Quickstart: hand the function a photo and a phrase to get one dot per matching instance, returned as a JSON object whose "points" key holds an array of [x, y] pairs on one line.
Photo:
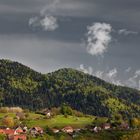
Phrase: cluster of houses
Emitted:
{"points": [[20, 133], [14, 134], [104, 126], [108, 126], [67, 129]]}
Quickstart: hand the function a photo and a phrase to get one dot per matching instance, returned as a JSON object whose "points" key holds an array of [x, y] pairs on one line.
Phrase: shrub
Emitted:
{"points": [[8, 121], [66, 110], [11, 109]]}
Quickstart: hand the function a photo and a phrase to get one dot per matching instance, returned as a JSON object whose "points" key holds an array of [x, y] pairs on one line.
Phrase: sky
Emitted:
{"points": [[99, 37]]}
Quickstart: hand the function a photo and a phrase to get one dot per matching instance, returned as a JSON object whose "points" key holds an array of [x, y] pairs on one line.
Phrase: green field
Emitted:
{"points": [[60, 121], [57, 121], [7, 114]]}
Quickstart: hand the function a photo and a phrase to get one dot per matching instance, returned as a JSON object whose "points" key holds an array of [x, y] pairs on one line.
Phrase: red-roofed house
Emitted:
{"points": [[19, 130], [17, 137], [9, 131], [67, 129], [36, 131], [14, 134], [2, 131]]}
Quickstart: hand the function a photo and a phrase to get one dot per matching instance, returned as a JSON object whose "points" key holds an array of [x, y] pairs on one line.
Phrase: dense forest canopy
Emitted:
{"points": [[24, 87]]}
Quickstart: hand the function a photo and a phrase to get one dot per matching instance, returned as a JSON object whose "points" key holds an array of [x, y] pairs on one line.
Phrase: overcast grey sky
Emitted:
{"points": [[100, 37]]}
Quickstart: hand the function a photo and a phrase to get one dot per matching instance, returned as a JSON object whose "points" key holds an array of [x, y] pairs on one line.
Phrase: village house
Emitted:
{"points": [[7, 131], [2, 131], [96, 129], [55, 130], [106, 126], [17, 137], [18, 130], [25, 129], [48, 113], [36, 131], [67, 129], [124, 125], [77, 130], [14, 134]]}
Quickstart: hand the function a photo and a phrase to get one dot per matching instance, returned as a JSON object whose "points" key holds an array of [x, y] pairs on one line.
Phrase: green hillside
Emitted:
{"points": [[22, 86]]}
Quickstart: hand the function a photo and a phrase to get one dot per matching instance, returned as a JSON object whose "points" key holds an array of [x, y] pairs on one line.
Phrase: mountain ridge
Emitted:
{"points": [[23, 86]]}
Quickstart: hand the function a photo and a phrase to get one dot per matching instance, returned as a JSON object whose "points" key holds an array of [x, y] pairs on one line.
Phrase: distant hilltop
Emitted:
{"points": [[24, 87]]}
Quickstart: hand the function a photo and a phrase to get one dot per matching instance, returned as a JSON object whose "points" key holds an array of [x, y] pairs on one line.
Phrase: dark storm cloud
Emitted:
{"points": [[41, 54], [21, 5], [124, 13]]}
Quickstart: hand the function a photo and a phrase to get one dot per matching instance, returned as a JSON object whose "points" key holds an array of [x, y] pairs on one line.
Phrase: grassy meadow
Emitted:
{"points": [[58, 121]]}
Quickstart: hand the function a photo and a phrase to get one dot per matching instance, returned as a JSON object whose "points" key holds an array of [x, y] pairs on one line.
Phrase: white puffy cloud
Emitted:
{"points": [[83, 69], [34, 22], [99, 74], [112, 73], [98, 38], [109, 76], [48, 23], [127, 32], [87, 71], [131, 82], [134, 81], [45, 20], [113, 77]]}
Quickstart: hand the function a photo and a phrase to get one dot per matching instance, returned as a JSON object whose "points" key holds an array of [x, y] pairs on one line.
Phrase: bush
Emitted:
{"points": [[4, 109], [78, 114], [66, 110], [55, 111], [11, 109], [49, 131], [8, 121]]}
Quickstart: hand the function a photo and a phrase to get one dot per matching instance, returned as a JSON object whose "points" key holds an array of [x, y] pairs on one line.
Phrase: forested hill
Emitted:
{"points": [[22, 86]]}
